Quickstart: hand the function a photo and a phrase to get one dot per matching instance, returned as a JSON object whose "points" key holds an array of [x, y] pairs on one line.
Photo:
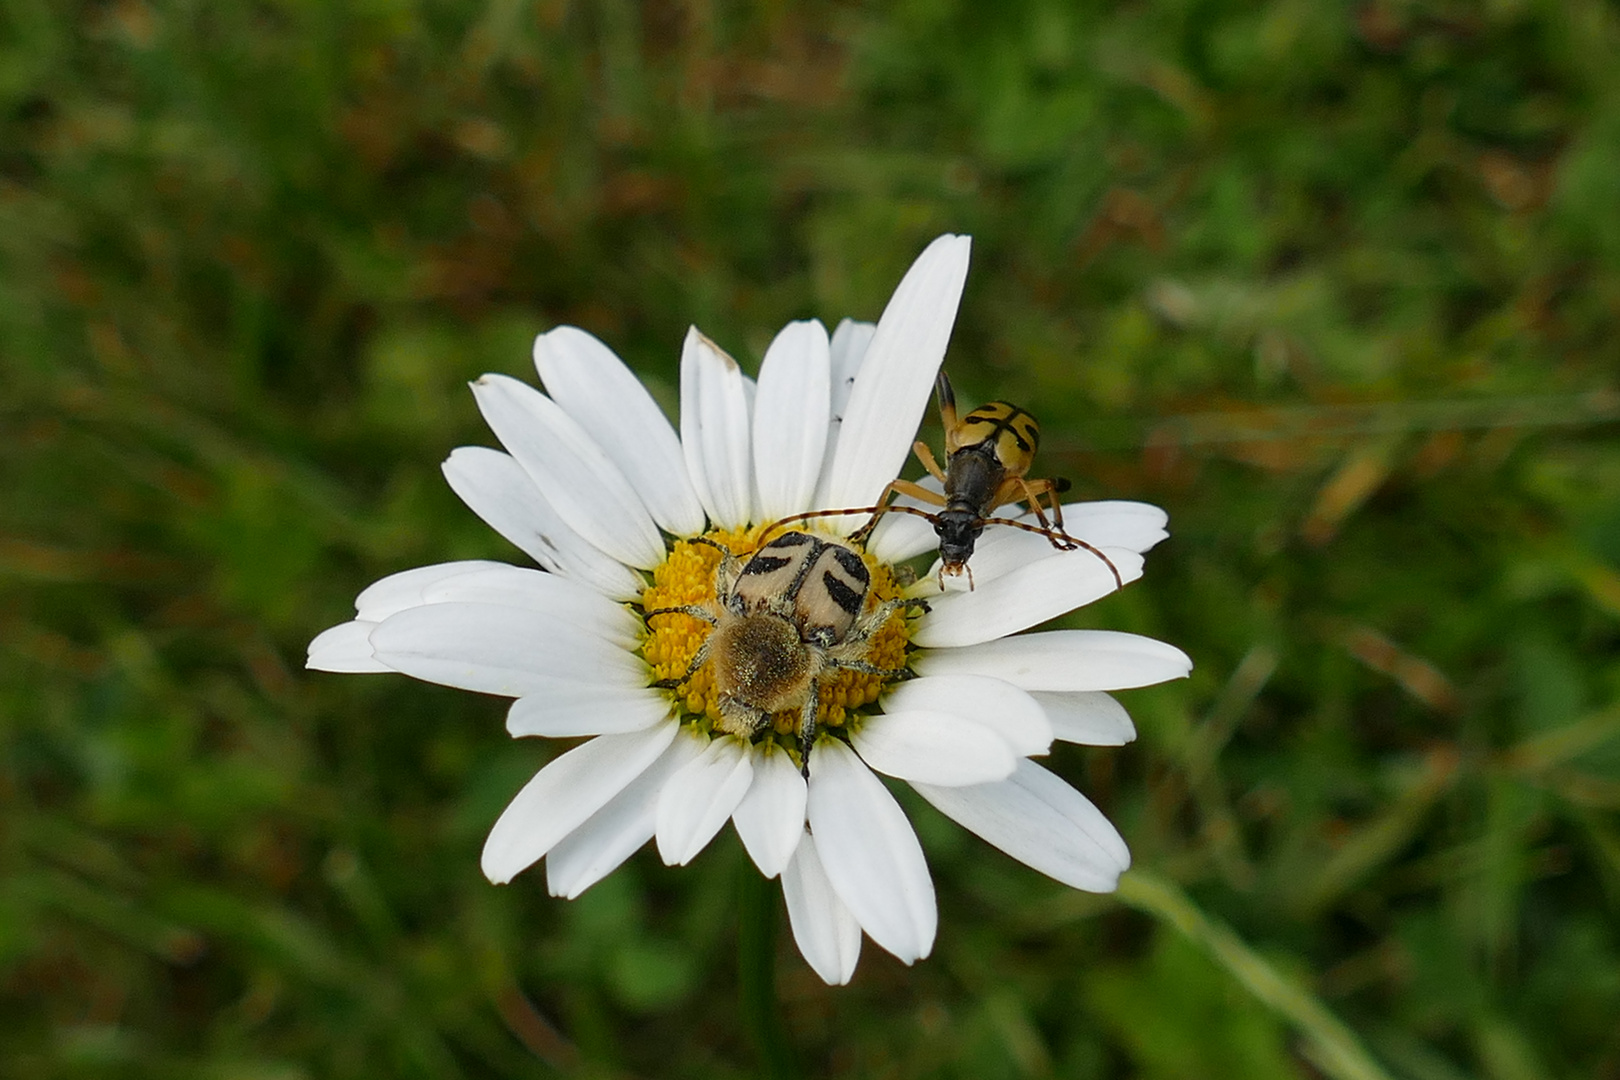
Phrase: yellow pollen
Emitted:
{"points": [[686, 579]]}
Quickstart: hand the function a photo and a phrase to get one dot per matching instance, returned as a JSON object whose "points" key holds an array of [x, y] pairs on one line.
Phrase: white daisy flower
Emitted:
{"points": [[597, 487]]}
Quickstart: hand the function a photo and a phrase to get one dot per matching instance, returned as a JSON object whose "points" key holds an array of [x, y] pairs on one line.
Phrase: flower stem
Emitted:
{"points": [[756, 976], [1329, 1043]]}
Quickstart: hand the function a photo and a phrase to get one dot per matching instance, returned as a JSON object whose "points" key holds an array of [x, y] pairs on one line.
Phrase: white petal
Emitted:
{"points": [[498, 650], [1111, 523], [897, 375], [849, 342], [899, 537], [716, 436], [770, 818], [587, 379], [345, 647], [561, 708], [1042, 822], [562, 598], [1004, 708], [697, 800], [1063, 660], [496, 488], [1093, 719], [564, 794], [612, 834], [396, 592], [933, 747], [790, 419], [870, 853], [570, 469], [824, 929], [1024, 597]]}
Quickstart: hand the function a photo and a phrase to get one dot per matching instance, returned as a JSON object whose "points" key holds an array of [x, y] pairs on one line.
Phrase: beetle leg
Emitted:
{"points": [[1034, 489], [926, 456], [807, 727], [737, 718], [864, 668], [698, 659], [1016, 489], [729, 570], [869, 624], [900, 487], [916, 491], [1021, 489], [685, 609]]}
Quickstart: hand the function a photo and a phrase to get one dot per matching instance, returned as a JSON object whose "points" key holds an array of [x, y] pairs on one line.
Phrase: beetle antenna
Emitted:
{"points": [[1073, 542], [808, 514]]}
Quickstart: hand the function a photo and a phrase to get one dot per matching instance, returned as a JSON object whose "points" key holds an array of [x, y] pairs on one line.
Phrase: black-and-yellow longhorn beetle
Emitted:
{"points": [[988, 455]]}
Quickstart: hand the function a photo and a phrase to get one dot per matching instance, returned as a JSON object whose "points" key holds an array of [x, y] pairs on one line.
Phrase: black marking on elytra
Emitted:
{"points": [[842, 595], [1027, 434], [998, 424], [765, 564], [852, 564], [792, 539]]}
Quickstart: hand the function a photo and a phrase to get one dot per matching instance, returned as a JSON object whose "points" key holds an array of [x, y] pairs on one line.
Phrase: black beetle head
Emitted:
{"points": [[957, 529]]}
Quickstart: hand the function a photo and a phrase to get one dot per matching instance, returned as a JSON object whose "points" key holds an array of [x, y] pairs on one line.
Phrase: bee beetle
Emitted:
{"points": [[988, 455], [782, 621]]}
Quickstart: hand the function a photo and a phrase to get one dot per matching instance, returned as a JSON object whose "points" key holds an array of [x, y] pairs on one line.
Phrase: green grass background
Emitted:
{"points": [[1338, 284]]}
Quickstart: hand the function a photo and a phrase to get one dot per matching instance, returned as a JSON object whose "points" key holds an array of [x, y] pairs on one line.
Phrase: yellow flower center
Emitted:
{"points": [[686, 579]]}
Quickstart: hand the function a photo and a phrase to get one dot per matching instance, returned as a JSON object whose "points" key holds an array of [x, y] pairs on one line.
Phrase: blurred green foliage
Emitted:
{"points": [[1337, 284]]}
